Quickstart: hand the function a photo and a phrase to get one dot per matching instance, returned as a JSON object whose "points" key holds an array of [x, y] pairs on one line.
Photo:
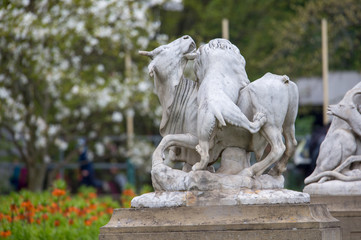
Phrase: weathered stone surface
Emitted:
{"points": [[223, 197], [347, 209], [250, 222], [220, 115], [272, 197], [334, 188], [165, 178], [339, 157]]}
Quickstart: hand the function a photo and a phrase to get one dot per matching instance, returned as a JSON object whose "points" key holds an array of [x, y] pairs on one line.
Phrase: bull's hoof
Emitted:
{"points": [[197, 167], [246, 172], [275, 172], [211, 169], [199, 150]]}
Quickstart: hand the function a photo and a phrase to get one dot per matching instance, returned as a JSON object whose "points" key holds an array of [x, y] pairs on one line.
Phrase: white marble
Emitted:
{"points": [[334, 188], [219, 115], [340, 152], [216, 198], [272, 196], [165, 178]]}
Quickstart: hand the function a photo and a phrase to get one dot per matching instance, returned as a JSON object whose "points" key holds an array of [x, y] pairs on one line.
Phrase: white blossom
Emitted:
{"points": [[75, 89], [47, 159], [53, 42], [41, 124], [4, 93], [40, 142], [18, 127], [99, 148], [53, 129], [85, 111], [92, 134], [62, 145], [117, 117], [100, 68]]}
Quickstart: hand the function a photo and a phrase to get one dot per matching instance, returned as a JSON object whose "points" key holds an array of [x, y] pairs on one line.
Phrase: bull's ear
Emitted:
{"points": [[190, 56], [151, 70]]}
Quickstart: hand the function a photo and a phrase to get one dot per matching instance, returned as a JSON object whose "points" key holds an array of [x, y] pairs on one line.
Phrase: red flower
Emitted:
{"points": [[92, 206], [87, 222], [27, 205], [92, 195], [45, 216], [71, 221], [58, 192], [13, 207], [56, 223], [129, 192], [5, 234]]}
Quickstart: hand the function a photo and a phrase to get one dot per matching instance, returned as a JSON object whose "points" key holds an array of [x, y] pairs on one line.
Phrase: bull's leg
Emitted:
{"points": [[179, 140], [203, 150], [205, 127], [274, 137], [291, 143]]}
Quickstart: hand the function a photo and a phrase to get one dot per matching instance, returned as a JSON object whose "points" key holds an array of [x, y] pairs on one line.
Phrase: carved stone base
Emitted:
{"points": [[165, 178], [246, 222], [334, 188], [219, 197], [347, 209]]}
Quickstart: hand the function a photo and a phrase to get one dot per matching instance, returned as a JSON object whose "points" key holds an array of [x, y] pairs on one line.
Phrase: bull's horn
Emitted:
{"points": [[191, 56], [145, 53]]}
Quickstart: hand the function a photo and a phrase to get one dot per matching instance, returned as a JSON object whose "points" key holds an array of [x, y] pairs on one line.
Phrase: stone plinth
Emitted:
{"points": [[251, 222], [347, 209], [219, 197]]}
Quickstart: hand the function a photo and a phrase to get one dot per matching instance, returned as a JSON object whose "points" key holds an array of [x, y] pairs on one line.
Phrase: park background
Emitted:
{"points": [[77, 103]]}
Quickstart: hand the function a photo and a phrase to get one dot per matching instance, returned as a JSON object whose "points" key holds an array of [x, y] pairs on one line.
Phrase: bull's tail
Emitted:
{"points": [[285, 79]]}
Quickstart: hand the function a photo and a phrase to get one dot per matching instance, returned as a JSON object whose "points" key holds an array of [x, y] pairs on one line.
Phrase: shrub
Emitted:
{"points": [[54, 214]]}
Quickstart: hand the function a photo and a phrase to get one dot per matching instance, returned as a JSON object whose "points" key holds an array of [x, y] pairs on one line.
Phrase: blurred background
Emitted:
{"points": [[76, 101]]}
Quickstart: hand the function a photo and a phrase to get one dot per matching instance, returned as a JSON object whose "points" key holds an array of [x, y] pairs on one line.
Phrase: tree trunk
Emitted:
{"points": [[36, 176]]}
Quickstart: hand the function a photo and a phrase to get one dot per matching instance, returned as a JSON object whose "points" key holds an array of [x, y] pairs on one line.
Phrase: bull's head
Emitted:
{"points": [[181, 49]]}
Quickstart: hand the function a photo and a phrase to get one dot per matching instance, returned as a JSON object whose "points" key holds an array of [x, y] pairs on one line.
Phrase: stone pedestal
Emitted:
{"points": [[347, 209], [252, 222]]}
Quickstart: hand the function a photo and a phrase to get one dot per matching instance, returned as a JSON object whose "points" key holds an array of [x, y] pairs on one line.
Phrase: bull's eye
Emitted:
{"points": [[185, 37]]}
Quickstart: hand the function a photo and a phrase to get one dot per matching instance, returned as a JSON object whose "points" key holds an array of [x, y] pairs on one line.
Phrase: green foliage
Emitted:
{"points": [[46, 215], [283, 37], [304, 125], [59, 184], [297, 50], [252, 24]]}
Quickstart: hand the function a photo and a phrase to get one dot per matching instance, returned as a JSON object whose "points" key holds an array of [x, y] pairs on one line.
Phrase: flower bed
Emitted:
{"points": [[54, 214]]}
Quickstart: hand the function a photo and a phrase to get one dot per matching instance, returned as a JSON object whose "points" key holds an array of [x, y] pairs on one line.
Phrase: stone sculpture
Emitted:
{"points": [[212, 116], [340, 152], [220, 115]]}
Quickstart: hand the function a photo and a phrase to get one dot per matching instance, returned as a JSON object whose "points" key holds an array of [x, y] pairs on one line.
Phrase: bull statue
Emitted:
{"points": [[219, 115]]}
